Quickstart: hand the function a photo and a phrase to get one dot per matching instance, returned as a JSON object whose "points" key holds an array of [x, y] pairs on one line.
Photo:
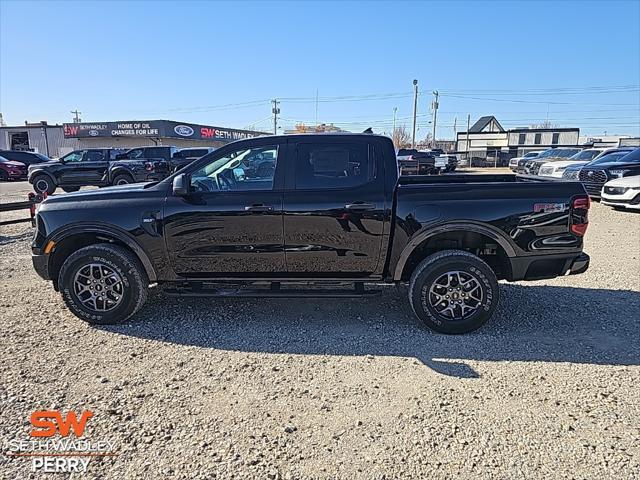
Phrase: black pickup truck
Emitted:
{"points": [[101, 167], [332, 212]]}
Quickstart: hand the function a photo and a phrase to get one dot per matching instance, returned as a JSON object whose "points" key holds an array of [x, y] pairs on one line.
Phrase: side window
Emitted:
{"points": [[242, 170], [338, 165], [74, 156], [94, 156], [135, 153]]}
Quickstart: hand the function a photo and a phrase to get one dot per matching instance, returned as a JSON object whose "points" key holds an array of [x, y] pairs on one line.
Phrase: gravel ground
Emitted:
{"points": [[201, 388]]}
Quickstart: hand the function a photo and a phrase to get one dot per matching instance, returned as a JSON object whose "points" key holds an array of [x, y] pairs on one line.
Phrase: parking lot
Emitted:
{"points": [[206, 388]]}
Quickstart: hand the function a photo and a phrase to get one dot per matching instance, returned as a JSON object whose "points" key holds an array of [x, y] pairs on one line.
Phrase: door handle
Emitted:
{"points": [[361, 206], [258, 208]]}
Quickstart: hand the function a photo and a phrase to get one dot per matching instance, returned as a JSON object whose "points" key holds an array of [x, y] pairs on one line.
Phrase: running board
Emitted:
{"points": [[274, 293]]}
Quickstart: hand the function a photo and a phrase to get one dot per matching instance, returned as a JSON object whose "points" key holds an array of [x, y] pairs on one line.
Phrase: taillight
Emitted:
{"points": [[581, 202], [148, 166], [580, 215]]}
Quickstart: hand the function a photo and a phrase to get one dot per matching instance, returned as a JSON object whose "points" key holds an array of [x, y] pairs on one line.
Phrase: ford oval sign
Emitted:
{"points": [[183, 130], [94, 133]]}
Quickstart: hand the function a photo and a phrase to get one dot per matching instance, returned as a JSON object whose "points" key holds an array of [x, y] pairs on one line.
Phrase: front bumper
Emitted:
{"points": [[539, 267], [17, 175], [41, 265]]}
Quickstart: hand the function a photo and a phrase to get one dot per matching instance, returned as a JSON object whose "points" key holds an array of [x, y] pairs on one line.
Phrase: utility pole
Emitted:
{"points": [[276, 111], [415, 112], [468, 145], [76, 118], [395, 109], [455, 126], [435, 118]]}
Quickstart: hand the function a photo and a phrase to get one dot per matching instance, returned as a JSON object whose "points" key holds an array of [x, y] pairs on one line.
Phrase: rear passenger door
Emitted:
{"points": [[334, 208]]}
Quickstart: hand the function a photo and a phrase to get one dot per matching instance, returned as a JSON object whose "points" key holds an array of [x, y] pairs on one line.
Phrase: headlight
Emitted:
{"points": [[618, 173], [560, 169]]}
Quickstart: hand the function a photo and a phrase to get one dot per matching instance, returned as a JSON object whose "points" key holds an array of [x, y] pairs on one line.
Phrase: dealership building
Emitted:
{"points": [[140, 133], [57, 140]]}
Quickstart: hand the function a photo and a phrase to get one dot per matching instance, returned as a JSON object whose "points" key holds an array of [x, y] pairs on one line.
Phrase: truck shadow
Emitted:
{"points": [[532, 323]]}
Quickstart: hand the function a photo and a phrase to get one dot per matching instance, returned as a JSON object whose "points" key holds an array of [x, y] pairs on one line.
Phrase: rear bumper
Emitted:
{"points": [[539, 267]]}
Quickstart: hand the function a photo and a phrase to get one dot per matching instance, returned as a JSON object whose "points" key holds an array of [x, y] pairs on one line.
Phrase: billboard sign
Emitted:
{"points": [[156, 129]]}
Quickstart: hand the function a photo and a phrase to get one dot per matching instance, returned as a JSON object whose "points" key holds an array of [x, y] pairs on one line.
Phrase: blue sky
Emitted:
{"points": [[576, 63]]}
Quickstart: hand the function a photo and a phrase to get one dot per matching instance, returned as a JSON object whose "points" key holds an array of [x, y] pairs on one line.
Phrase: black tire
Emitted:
{"points": [[122, 179], [70, 189], [426, 285], [3, 176], [44, 184], [133, 283]]}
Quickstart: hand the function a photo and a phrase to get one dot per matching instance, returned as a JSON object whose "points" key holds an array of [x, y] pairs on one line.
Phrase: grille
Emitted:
{"points": [[546, 170], [571, 174], [593, 176]]}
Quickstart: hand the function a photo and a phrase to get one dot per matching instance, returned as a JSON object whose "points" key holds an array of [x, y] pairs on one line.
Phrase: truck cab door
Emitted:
{"points": [[95, 165], [335, 208], [230, 223], [70, 171]]}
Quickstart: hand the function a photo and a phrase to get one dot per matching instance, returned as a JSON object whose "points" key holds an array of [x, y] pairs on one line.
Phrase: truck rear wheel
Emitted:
{"points": [[44, 184], [103, 284], [453, 292], [122, 179]]}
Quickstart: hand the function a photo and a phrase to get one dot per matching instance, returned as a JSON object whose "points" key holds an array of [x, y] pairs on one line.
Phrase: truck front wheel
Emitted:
{"points": [[103, 284], [453, 292], [44, 184]]}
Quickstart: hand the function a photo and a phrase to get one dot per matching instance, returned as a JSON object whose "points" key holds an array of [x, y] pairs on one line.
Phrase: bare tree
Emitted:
{"points": [[401, 138], [545, 124]]}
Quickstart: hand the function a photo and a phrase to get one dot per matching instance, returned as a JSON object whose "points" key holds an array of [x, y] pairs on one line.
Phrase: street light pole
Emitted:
{"points": [[435, 118], [415, 112]]}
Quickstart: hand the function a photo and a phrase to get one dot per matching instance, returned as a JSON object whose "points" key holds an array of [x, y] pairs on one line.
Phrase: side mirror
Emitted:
{"points": [[181, 185]]}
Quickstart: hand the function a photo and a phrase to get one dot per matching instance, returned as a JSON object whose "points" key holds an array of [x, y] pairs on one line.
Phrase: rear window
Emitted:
{"points": [[324, 166], [194, 153], [406, 151], [633, 157]]}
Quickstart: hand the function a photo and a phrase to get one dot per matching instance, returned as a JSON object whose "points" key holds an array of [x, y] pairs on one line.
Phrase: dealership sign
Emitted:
{"points": [[156, 129]]}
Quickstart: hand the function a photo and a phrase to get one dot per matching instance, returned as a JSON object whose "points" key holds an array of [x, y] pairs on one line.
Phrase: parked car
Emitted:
{"points": [[26, 158], [452, 163], [74, 170], [12, 170], [516, 166], [556, 168], [412, 162], [144, 164], [102, 167], [572, 172], [532, 167], [621, 193], [333, 211], [614, 165], [185, 156]]}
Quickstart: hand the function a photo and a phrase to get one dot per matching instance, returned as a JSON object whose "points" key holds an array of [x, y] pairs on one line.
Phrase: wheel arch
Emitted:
{"points": [[119, 171], [467, 235], [72, 239], [37, 172]]}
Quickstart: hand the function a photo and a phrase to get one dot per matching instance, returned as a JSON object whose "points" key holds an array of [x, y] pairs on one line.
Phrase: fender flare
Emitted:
{"points": [[430, 232], [112, 232], [40, 171]]}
